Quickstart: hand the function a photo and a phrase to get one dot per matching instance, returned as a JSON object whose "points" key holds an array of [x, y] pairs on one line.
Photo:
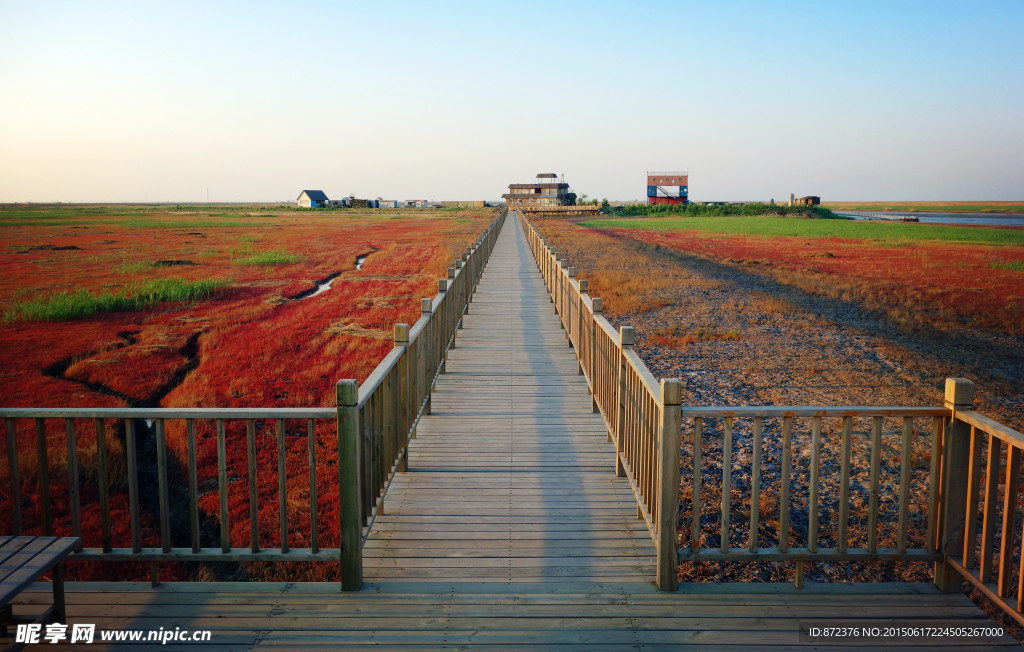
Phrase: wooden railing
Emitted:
{"points": [[642, 414], [374, 423], [106, 425], [377, 421], [959, 518], [978, 539], [806, 429]]}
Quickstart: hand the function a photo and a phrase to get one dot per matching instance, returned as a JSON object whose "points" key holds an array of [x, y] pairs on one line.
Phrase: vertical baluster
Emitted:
{"points": [[787, 430], [314, 534], [876, 453], [755, 484], [906, 462], [698, 425], [970, 556], [844, 485], [933, 484], [133, 484], [1009, 519], [222, 487], [812, 506], [104, 484], [625, 342], [282, 484], [73, 490], [161, 476], [193, 484], [368, 425], [726, 483], [12, 475], [254, 511], [43, 468], [988, 531]]}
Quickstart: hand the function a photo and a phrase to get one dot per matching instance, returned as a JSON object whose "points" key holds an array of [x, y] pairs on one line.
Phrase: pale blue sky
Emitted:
{"points": [[156, 101]]}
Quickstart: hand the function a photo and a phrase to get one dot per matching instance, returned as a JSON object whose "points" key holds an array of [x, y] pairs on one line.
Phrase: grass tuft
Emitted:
{"points": [[1013, 265], [270, 257], [66, 305]]}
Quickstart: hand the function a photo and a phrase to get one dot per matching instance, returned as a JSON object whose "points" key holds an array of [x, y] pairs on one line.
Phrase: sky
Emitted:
{"points": [[106, 101]]}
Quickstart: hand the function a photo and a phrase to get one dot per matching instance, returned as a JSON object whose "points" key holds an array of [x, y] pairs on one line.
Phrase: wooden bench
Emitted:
{"points": [[23, 560]]}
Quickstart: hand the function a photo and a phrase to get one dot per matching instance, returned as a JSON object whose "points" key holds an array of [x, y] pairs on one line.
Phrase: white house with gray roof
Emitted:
{"points": [[312, 199]]}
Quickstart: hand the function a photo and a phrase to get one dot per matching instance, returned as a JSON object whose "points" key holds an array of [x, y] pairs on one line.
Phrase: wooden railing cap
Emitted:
{"points": [[348, 392], [959, 393], [626, 336], [671, 391], [401, 334]]}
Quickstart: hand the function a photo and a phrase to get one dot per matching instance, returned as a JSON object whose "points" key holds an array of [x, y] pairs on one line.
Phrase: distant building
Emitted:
{"points": [[809, 200], [471, 203], [546, 191], [312, 199], [668, 187]]}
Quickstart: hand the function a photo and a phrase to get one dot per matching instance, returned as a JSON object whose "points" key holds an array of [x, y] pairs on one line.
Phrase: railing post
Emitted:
{"points": [[626, 341], [668, 484], [598, 309], [350, 485], [404, 407], [955, 462]]}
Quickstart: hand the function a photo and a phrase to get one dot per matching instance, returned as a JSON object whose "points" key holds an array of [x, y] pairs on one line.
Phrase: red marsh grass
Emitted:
{"points": [[253, 338]]}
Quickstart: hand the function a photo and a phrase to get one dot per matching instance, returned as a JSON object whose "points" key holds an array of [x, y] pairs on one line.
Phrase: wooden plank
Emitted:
{"points": [[812, 501], [755, 484], [193, 484], [989, 521], [906, 462], [876, 452], [844, 485], [222, 486], [133, 484], [1010, 489], [784, 479]]}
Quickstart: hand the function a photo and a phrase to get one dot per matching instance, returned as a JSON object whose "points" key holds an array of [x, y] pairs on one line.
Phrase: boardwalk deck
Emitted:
{"points": [[510, 530], [511, 477]]}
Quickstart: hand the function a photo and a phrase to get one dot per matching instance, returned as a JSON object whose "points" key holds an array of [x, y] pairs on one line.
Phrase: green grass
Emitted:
{"points": [[67, 305], [269, 257], [1014, 207], [132, 267], [1013, 265], [893, 233], [749, 209], [186, 224]]}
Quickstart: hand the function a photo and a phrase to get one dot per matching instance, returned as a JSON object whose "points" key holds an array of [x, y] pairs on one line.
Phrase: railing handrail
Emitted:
{"points": [[170, 413], [992, 427], [774, 411]]}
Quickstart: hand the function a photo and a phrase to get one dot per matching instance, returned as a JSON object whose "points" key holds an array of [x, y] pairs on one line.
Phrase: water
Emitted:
{"points": [[360, 260], [975, 219], [323, 287]]}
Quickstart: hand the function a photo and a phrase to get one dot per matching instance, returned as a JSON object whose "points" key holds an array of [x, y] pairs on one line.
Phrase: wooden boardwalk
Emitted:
{"points": [[511, 531], [511, 478]]}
